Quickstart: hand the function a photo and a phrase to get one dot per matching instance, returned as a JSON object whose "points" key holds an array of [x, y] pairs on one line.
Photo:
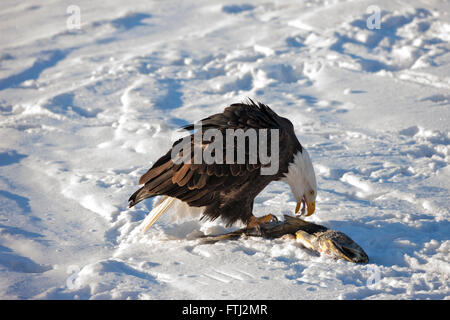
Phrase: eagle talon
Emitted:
{"points": [[257, 222], [273, 219]]}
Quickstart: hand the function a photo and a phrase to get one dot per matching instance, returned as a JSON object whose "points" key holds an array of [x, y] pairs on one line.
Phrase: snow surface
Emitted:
{"points": [[84, 112]]}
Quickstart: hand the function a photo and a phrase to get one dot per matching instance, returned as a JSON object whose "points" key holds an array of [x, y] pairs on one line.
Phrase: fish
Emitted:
{"points": [[312, 236]]}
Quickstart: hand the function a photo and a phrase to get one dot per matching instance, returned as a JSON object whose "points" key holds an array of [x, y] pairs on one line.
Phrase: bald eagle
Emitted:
{"points": [[227, 190]]}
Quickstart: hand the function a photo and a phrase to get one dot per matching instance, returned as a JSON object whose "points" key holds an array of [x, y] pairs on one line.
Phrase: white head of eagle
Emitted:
{"points": [[227, 190], [302, 180]]}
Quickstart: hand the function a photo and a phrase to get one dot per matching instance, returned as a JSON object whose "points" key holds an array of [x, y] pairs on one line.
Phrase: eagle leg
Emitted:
{"points": [[255, 222]]}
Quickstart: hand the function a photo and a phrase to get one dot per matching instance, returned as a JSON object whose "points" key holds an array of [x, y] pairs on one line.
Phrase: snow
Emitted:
{"points": [[84, 112]]}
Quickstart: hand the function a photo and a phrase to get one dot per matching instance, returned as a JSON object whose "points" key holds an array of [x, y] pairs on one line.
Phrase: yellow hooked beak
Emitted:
{"points": [[311, 206], [297, 208]]}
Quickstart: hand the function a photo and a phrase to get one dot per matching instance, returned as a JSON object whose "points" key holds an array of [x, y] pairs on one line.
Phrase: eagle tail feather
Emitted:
{"points": [[161, 207]]}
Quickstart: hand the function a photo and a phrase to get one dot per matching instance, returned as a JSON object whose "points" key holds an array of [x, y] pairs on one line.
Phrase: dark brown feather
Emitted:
{"points": [[154, 172], [179, 175], [187, 178], [149, 186]]}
